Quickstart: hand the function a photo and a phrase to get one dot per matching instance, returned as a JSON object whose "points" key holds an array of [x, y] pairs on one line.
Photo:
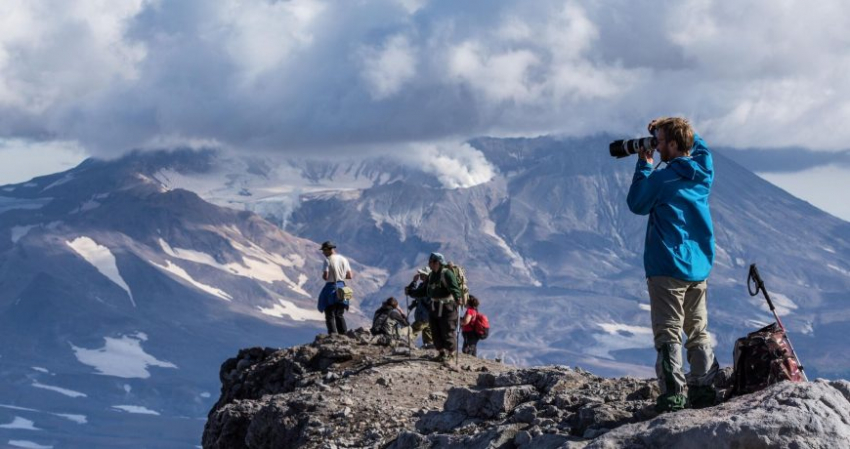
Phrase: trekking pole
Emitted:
{"points": [[409, 326], [755, 279], [457, 339]]}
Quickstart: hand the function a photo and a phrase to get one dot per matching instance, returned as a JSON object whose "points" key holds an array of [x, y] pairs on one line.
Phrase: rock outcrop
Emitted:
{"points": [[344, 391]]}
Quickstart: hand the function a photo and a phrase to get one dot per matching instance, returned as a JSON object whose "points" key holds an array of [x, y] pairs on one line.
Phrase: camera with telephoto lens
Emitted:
{"points": [[623, 148]]}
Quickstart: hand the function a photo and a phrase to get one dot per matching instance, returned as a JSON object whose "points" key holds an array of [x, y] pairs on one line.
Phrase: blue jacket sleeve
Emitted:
{"points": [[643, 192], [702, 156]]}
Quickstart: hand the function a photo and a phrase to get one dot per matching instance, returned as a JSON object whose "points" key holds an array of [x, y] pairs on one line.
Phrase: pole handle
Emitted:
{"points": [[754, 279]]}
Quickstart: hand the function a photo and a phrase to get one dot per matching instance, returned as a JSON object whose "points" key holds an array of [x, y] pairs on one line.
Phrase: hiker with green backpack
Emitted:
{"points": [[447, 296]]}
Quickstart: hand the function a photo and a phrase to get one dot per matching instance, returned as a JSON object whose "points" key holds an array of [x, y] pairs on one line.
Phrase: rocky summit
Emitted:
{"points": [[351, 391]]}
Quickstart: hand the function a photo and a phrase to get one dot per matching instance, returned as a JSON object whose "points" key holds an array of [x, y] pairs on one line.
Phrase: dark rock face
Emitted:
{"points": [[346, 391]]}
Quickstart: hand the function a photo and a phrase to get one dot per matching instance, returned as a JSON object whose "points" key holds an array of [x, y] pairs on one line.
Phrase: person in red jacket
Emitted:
{"points": [[469, 332]]}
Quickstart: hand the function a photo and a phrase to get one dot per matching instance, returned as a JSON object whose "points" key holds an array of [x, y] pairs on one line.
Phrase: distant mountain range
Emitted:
{"points": [[125, 284]]}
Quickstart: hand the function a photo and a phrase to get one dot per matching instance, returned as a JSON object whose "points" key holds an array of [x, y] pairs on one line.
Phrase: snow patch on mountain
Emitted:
{"points": [[182, 274], [79, 419], [289, 309], [64, 391], [619, 336], [489, 228], [19, 423], [90, 204], [67, 178], [256, 263], [7, 204], [19, 232], [121, 357], [102, 259], [139, 410], [839, 269], [784, 305], [26, 444]]}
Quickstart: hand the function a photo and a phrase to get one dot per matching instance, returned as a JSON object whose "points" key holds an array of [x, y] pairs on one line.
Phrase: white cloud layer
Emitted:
{"points": [[312, 74]]}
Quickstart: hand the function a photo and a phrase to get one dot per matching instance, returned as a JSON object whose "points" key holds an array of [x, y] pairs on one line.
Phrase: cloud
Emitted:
{"points": [[388, 68], [455, 166], [317, 75]]}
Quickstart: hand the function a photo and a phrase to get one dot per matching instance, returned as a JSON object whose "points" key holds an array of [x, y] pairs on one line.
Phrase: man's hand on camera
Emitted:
{"points": [[647, 155]]}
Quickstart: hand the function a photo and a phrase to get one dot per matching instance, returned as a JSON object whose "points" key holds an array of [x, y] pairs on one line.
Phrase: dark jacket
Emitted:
{"points": [[387, 320], [422, 304], [441, 284]]}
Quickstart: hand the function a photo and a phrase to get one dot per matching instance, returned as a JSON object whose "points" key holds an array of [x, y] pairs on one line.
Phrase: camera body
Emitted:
{"points": [[624, 148]]}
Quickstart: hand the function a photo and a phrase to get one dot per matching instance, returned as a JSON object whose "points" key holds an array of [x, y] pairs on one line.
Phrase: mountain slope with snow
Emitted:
{"points": [[120, 298], [124, 282]]}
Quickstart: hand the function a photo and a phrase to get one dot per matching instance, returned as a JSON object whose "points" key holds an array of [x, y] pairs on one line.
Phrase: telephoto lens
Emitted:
{"points": [[623, 148]]}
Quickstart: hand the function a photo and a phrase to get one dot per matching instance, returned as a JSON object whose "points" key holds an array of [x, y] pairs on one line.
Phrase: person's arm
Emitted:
{"points": [[417, 292], [467, 318], [451, 283], [644, 189], [701, 154], [397, 315], [326, 269], [348, 273]]}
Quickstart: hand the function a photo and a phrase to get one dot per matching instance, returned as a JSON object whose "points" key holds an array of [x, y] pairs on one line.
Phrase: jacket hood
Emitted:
{"points": [[688, 168]]}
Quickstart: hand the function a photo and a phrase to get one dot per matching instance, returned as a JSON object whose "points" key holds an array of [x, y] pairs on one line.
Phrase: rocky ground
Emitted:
{"points": [[347, 392]]}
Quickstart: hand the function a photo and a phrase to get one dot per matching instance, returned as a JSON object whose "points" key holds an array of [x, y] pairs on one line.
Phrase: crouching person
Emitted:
{"points": [[387, 320]]}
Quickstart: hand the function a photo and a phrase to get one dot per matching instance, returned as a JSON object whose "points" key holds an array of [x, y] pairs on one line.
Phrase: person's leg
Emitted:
{"points": [[341, 325], [427, 335], [449, 328], [325, 299], [704, 366], [666, 296], [330, 320], [434, 324], [473, 344]]}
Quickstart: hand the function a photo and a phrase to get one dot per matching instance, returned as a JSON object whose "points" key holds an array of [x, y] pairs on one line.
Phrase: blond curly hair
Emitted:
{"points": [[676, 129]]}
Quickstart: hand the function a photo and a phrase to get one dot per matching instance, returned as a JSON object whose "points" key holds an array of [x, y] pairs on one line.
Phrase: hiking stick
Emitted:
{"points": [[759, 284], [409, 325], [457, 338]]}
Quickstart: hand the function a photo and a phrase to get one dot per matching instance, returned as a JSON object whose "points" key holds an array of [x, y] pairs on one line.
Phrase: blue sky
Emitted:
{"points": [[89, 77]]}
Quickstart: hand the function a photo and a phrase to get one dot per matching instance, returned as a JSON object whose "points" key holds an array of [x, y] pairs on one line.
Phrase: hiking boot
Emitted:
{"points": [[449, 358], [440, 357], [670, 403], [701, 396], [427, 346]]}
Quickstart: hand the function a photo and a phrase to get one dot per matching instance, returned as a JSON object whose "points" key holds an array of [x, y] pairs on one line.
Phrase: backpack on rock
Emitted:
{"points": [[763, 358]]}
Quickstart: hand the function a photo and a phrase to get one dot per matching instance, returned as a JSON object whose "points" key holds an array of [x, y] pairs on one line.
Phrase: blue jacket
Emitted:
{"points": [[327, 297], [679, 235]]}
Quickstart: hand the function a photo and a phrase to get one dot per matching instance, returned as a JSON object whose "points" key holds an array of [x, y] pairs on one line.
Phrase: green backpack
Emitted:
{"points": [[460, 275]]}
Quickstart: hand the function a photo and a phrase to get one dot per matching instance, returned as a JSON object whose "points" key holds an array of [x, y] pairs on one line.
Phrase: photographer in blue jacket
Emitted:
{"points": [[678, 256]]}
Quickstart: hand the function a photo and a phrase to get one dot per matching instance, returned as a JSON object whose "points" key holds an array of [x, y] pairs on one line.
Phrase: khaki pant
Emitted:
{"points": [[425, 328], [678, 306]]}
